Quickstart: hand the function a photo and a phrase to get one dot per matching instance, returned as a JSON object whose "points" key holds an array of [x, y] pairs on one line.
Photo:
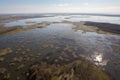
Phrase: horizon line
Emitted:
{"points": [[66, 13]]}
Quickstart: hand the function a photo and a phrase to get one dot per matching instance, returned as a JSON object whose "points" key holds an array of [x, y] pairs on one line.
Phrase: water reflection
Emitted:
{"points": [[99, 48], [73, 18], [98, 59]]}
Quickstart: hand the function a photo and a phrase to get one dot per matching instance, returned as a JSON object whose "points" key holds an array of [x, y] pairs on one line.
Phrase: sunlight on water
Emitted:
{"points": [[98, 59]]}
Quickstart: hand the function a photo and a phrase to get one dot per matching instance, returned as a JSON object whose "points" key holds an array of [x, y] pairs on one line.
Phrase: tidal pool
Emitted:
{"points": [[59, 43]]}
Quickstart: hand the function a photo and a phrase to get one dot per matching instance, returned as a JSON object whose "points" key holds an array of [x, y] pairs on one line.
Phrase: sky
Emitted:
{"points": [[60, 6]]}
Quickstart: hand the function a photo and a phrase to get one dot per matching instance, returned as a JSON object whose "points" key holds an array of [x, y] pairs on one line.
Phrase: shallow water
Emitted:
{"points": [[101, 49], [73, 18]]}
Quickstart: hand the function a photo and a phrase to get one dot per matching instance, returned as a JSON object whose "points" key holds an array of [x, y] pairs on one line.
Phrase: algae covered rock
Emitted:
{"points": [[78, 70]]}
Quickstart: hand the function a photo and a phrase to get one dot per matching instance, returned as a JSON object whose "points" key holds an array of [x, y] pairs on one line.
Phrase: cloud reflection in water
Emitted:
{"points": [[97, 58]]}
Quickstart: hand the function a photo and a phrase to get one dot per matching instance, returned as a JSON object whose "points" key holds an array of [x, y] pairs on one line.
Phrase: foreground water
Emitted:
{"points": [[49, 43]]}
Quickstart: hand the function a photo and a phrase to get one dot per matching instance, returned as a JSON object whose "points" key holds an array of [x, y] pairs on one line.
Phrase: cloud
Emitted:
{"points": [[62, 5], [62, 8], [86, 4]]}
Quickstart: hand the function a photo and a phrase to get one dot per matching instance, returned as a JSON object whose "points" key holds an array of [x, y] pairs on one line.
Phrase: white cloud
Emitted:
{"points": [[64, 8], [62, 5], [86, 4]]}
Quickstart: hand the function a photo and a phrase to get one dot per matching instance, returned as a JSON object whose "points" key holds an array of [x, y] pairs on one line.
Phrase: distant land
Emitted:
{"points": [[28, 14]]}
